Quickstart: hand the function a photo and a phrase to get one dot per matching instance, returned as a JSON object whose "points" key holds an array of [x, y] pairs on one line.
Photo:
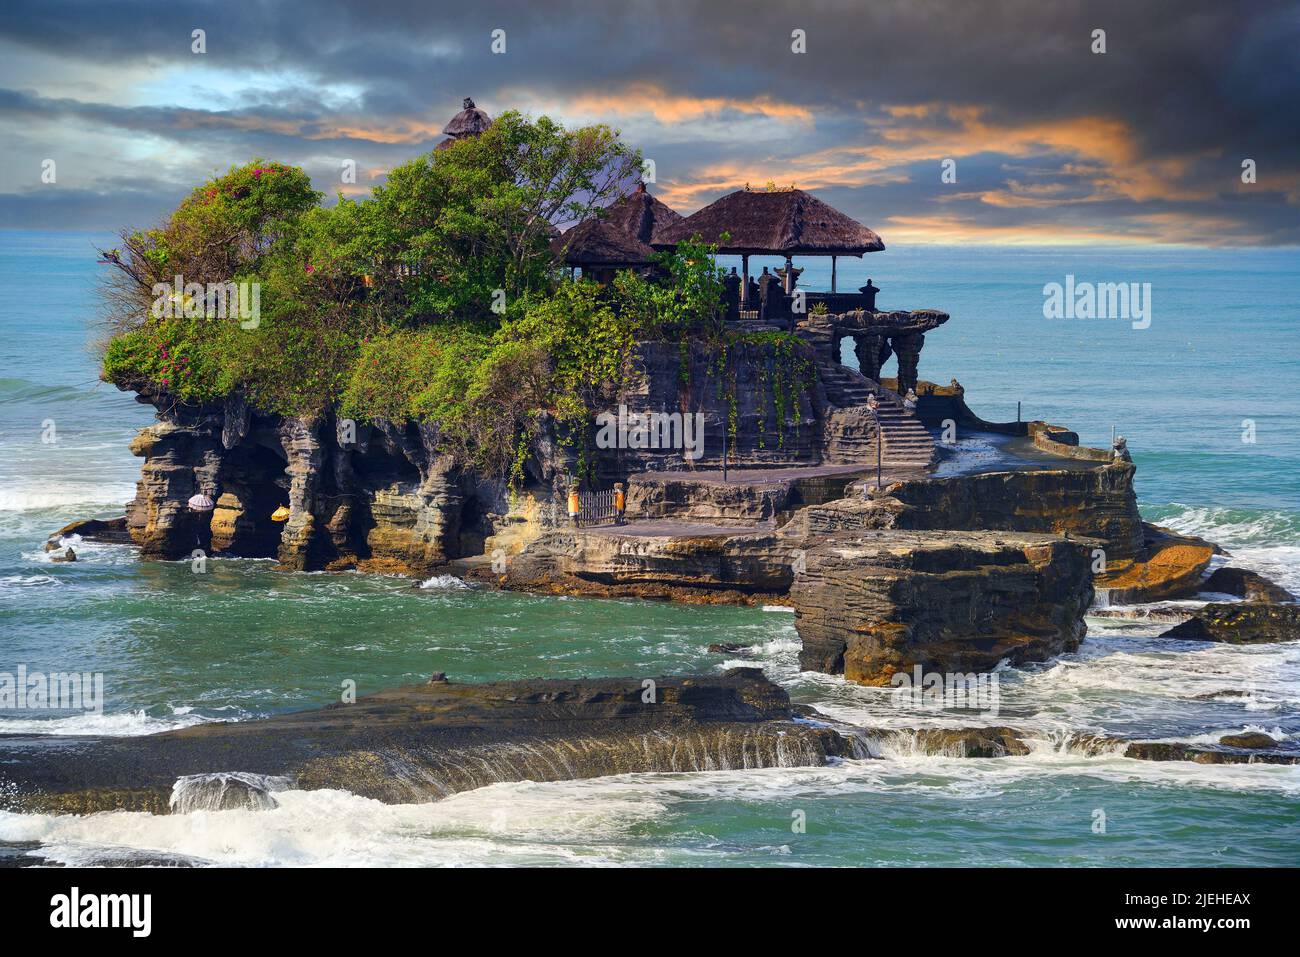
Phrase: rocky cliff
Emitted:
{"points": [[381, 495], [372, 496]]}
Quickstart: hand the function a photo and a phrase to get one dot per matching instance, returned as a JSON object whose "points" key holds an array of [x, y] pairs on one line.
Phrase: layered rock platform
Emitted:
{"points": [[873, 604], [424, 742]]}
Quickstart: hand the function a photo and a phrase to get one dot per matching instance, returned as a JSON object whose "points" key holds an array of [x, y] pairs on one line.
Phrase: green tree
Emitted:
{"points": [[223, 231], [480, 215]]}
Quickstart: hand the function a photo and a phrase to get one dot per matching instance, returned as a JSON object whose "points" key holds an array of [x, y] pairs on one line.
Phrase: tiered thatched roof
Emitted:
{"points": [[622, 236], [599, 242], [470, 121], [776, 222], [641, 215]]}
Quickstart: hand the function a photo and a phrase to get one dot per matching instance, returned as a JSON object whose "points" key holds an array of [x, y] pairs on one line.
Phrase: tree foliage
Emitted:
{"points": [[383, 309]]}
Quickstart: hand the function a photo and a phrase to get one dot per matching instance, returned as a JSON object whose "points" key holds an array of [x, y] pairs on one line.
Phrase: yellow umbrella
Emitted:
{"points": [[281, 514]]}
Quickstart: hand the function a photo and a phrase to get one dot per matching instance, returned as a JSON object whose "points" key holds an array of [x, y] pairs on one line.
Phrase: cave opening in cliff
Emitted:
{"points": [[384, 467], [387, 510], [253, 485], [475, 528]]}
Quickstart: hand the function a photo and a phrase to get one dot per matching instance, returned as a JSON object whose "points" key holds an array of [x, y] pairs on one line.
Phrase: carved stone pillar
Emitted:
{"points": [[789, 276], [872, 351], [909, 354]]}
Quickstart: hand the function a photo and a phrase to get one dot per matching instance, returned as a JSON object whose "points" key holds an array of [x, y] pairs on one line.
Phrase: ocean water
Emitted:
{"points": [[243, 640]]}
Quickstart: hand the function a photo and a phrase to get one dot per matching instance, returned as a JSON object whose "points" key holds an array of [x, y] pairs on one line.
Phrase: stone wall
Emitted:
{"points": [[690, 380]]}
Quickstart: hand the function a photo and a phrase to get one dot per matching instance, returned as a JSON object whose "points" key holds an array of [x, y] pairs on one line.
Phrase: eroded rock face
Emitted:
{"points": [[869, 604], [700, 568], [178, 452], [378, 497], [423, 742], [1240, 623]]}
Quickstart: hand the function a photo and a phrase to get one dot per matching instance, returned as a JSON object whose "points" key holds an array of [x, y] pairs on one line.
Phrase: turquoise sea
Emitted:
{"points": [[1222, 353]]}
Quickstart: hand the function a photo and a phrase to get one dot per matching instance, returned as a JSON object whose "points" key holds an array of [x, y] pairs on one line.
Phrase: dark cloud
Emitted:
{"points": [[1144, 140]]}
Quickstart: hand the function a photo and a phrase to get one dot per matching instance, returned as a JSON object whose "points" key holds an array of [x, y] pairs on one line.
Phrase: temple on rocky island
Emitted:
{"points": [[801, 480]]}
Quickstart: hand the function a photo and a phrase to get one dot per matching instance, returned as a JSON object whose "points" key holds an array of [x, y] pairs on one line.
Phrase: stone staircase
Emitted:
{"points": [[844, 387], [907, 444]]}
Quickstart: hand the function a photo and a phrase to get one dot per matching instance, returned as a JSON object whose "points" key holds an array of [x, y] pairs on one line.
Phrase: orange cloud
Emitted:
{"points": [[645, 99], [1105, 164]]}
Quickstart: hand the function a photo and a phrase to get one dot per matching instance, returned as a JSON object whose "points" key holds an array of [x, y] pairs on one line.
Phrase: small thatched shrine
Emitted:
{"points": [[470, 121]]}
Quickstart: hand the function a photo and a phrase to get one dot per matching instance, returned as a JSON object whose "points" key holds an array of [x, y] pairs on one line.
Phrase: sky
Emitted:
{"points": [[1045, 139]]}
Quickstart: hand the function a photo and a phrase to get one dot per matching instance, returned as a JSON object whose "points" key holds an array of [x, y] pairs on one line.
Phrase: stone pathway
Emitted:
{"points": [[773, 476], [652, 528]]}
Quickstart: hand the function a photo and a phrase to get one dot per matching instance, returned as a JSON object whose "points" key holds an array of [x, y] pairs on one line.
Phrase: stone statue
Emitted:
{"points": [[869, 293], [766, 294], [731, 295], [1121, 449]]}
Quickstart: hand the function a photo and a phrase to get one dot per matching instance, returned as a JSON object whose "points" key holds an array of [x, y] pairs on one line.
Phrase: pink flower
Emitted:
{"points": [[311, 268]]}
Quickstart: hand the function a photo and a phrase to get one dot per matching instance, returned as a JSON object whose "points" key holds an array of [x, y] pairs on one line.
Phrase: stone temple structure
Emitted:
{"points": [[788, 223], [792, 222]]}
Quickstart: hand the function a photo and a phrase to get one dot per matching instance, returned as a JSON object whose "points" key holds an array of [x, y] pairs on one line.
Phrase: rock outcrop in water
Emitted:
{"points": [[872, 604], [1245, 584], [381, 495], [1168, 565], [1093, 503], [1240, 623], [1002, 742], [421, 743]]}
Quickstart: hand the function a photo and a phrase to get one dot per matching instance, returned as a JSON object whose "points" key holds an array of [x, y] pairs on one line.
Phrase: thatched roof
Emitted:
{"points": [[602, 243], [641, 215], [470, 121], [622, 235], [776, 222]]}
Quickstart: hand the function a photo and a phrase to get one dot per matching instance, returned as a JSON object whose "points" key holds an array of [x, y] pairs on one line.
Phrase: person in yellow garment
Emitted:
{"points": [[574, 505], [620, 503]]}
